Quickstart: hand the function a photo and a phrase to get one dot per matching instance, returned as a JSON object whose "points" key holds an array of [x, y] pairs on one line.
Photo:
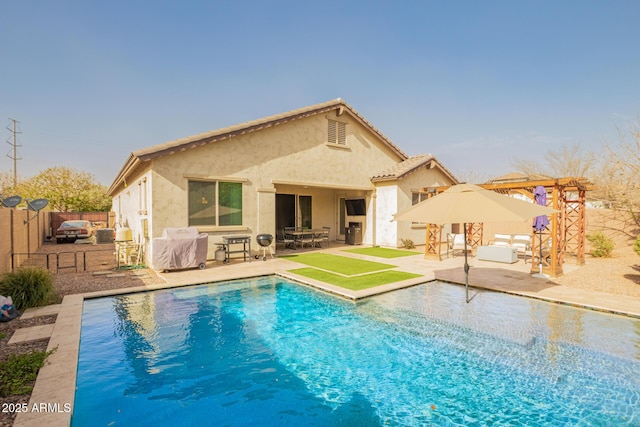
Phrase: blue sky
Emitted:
{"points": [[475, 83]]}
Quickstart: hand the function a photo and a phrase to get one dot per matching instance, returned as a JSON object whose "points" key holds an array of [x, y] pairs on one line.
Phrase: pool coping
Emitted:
{"points": [[52, 399]]}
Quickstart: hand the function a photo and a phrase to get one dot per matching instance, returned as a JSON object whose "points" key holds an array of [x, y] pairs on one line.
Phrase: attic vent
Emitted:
{"points": [[337, 132]]}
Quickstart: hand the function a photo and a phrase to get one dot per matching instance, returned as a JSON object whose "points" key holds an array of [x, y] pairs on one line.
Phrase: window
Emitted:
{"points": [[142, 196], [215, 203], [337, 132], [417, 197]]}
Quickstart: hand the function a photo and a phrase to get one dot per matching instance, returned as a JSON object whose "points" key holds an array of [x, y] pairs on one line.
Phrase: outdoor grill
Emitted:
{"points": [[265, 240], [180, 248]]}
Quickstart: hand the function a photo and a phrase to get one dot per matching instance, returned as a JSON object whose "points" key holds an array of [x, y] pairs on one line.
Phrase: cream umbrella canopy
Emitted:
{"points": [[468, 203]]}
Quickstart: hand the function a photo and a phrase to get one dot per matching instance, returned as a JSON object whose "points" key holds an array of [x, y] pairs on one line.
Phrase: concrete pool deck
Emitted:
{"points": [[51, 401]]}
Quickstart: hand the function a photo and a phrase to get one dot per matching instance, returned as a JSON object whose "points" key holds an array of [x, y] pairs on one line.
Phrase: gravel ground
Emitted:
{"points": [[619, 274]]}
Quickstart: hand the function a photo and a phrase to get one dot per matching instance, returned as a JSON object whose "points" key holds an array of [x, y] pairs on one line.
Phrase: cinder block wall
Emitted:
{"points": [[18, 236]]}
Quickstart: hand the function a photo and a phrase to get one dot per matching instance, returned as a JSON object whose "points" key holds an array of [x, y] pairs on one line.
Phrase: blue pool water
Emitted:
{"points": [[270, 352]]}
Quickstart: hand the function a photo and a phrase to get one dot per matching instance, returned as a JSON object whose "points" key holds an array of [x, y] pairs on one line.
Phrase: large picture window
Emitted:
{"points": [[215, 203]]}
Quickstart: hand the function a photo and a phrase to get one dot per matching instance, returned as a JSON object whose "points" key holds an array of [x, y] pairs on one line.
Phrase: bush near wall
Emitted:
{"points": [[601, 245], [28, 287]]}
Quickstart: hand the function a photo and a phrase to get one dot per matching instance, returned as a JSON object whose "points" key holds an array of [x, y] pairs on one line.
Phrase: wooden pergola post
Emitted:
{"points": [[433, 242]]}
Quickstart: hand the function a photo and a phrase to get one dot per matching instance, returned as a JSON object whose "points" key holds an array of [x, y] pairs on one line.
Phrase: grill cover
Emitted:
{"points": [[179, 248]]}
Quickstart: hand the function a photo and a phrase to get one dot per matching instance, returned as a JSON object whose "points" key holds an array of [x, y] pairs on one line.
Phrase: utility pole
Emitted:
{"points": [[13, 154]]}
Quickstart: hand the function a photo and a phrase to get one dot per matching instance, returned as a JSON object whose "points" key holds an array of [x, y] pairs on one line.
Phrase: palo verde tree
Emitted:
{"points": [[67, 190]]}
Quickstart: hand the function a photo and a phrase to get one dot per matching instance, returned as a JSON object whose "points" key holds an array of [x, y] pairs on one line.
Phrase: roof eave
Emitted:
{"points": [[132, 162], [183, 144], [248, 127]]}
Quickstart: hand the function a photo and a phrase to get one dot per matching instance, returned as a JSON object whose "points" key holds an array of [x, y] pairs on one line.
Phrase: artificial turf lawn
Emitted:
{"points": [[382, 252], [358, 282], [339, 264]]}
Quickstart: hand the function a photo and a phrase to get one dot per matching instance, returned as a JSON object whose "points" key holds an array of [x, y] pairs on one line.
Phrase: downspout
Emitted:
{"points": [[374, 197]]}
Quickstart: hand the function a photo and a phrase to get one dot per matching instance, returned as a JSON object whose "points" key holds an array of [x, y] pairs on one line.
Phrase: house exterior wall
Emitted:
{"points": [[395, 196], [294, 155], [134, 203], [386, 206], [414, 182]]}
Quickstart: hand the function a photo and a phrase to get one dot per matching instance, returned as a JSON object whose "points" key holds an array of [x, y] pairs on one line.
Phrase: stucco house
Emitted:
{"points": [[300, 168]]}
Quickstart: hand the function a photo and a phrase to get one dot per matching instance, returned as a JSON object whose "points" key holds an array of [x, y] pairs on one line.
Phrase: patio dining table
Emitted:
{"points": [[312, 236]]}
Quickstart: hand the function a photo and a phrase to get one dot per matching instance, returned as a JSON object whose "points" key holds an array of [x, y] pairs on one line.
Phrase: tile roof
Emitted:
{"points": [[256, 125], [400, 169], [190, 142], [409, 165]]}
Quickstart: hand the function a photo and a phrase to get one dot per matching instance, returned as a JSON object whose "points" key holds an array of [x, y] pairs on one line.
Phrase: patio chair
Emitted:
{"points": [[501, 240], [455, 242], [289, 234], [304, 237], [325, 235], [284, 239], [523, 243], [318, 238]]}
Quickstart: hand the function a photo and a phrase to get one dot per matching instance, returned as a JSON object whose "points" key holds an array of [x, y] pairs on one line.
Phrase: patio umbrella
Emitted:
{"points": [[541, 222], [468, 203]]}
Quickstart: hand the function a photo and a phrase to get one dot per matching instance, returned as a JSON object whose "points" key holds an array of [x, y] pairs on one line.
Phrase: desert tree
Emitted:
{"points": [[618, 180], [6, 184], [67, 190], [566, 161]]}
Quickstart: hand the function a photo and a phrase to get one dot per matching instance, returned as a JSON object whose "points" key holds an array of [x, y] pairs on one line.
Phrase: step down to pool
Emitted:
{"points": [[32, 333], [47, 310]]}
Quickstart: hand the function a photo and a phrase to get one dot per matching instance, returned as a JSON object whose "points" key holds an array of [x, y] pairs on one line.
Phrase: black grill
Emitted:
{"points": [[264, 239]]}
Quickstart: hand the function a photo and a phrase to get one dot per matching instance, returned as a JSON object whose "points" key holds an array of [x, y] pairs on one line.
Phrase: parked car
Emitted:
{"points": [[76, 229]]}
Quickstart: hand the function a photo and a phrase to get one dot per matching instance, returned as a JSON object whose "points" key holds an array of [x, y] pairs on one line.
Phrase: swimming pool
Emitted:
{"points": [[270, 352]]}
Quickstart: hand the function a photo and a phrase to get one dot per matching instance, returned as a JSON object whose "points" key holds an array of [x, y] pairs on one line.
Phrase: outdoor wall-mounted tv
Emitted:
{"points": [[356, 207]]}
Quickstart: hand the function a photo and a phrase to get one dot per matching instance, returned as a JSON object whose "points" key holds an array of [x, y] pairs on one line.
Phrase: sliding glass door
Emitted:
{"points": [[293, 210]]}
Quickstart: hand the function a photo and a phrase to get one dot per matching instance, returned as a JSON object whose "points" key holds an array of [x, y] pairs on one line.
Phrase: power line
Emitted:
{"points": [[13, 154]]}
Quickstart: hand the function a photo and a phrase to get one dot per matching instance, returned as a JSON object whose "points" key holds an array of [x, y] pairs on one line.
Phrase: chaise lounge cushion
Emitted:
{"points": [[501, 240]]}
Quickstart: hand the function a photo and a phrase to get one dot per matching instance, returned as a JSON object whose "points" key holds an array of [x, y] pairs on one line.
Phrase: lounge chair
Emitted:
{"points": [[523, 243], [500, 240], [455, 242]]}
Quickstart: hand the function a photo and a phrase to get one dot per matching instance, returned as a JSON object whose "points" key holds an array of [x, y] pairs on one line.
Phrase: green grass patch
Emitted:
{"points": [[382, 252], [355, 283], [19, 372], [339, 264]]}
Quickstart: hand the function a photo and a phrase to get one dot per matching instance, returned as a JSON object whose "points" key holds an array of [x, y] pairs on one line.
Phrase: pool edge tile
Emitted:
{"points": [[56, 380]]}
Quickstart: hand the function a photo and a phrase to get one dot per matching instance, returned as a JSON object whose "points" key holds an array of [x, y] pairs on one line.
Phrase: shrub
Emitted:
{"points": [[18, 373], [407, 243], [601, 245], [636, 245], [28, 287]]}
